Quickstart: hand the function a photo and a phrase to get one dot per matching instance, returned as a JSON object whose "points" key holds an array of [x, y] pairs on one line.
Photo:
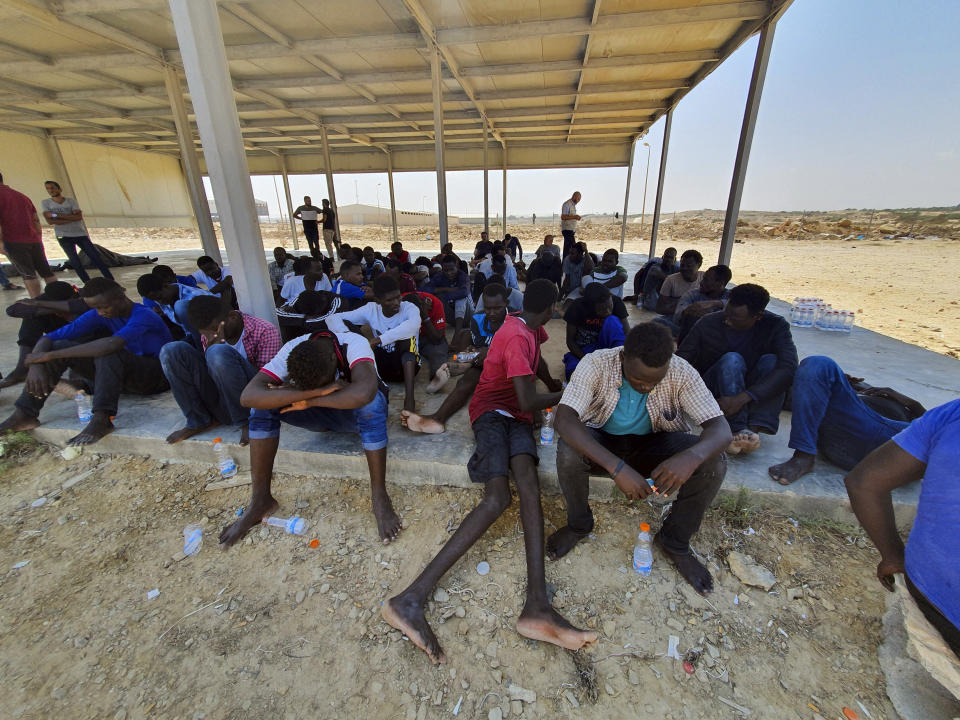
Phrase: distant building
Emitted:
{"points": [[261, 206], [360, 214]]}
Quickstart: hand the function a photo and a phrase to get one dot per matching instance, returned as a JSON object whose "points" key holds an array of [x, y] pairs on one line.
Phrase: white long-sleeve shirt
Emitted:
{"points": [[405, 324], [295, 285]]}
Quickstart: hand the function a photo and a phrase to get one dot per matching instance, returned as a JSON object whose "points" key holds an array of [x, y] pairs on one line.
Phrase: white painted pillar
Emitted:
{"points": [[663, 171], [746, 141], [191, 164], [626, 196], [486, 184], [437, 77], [393, 202], [286, 194], [504, 189], [63, 177], [331, 191], [205, 61]]}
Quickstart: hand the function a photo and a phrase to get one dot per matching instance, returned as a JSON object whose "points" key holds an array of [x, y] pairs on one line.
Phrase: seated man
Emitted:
{"points": [[710, 296], [166, 273], [547, 266], [280, 266], [623, 413], [372, 265], [575, 266], [318, 382], [398, 253], [350, 285], [608, 273], [844, 420], [514, 297], [499, 264], [747, 358], [649, 278], [433, 337], [313, 278], [207, 382], [929, 451], [395, 328], [502, 416], [548, 246], [452, 286], [171, 300], [216, 279], [597, 320], [57, 305], [404, 281], [122, 358], [674, 287]]}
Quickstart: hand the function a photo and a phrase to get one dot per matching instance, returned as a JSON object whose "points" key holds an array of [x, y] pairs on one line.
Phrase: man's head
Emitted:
{"points": [[745, 306], [307, 200], [301, 265], [646, 355], [448, 248], [598, 300], [351, 272], [152, 287], [690, 263], [312, 364], [314, 271], [387, 293], [669, 256], [575, 197], [53, 188], [106, 296], [609, 260], [539, 299], [548, 240], [484, 236], [450, 266], [369, 254], [392, 268], [209, 266], [206, 312], [165, 273], [326, 204], [499, 248], [280, 255], [714, 280], [313, 303], [499, 264], [396, 248], [345, 250], [577, 252], [547, 258], [58, 291], [495, 296]]}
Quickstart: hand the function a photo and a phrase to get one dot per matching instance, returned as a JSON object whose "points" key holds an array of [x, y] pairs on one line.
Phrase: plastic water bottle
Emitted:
{"points": [[643, 552], [293, 525], [192, 539], [849, 318], [546, 429], [84, 408], [466, 357], [225, 463]]}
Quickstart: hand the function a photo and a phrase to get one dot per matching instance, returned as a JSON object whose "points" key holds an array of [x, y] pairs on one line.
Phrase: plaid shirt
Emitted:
{"points": [[278, 271], [261, 340], [594, 392]]}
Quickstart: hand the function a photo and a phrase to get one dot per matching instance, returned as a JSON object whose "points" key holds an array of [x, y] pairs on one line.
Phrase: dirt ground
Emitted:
{"points": [[276, 629], [900, 277]]}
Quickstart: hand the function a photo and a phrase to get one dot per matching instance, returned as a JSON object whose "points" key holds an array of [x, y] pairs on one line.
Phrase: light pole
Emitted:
{"points": [[643, 208]]}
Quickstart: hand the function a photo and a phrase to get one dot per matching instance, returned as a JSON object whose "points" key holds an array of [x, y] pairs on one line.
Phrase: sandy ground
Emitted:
{"points": [[900, 277], [276, 629]]}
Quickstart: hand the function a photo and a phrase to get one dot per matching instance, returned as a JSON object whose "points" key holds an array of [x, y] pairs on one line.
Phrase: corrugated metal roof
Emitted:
{"points": [[563, 83]]}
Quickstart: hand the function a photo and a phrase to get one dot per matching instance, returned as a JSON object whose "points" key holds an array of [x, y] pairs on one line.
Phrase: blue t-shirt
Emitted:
{"points": [[187, 280], [348, 290], [933, 548], [630, 416], [143, 330]]}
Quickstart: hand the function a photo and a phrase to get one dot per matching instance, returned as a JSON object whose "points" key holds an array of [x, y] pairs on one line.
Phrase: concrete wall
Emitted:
{"points": [[115, 187]]}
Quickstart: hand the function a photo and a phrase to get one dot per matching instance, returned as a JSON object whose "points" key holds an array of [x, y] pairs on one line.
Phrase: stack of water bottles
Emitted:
{"points": [[814, 312]]}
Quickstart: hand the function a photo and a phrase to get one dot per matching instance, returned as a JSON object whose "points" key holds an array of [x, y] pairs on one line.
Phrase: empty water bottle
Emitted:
{"points": [[293, 525], [225, 463], [84, 408], [466, 357], [546, 429], [642, 552], [192, 539]]}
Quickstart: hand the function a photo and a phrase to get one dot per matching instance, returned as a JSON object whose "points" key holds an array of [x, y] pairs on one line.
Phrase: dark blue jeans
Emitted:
{"points": [[70, 245], [569, 240], [4, 280], [829, 415], [730, 376], [207, 386]]}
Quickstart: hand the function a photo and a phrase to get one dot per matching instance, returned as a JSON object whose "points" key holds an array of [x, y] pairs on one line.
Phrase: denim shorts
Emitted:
{"points": [[369, 421], [499, 438]]}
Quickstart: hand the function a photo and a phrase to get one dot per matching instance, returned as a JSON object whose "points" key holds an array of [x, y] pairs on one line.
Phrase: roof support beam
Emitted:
{"points": [[592, 64], [436, 70], [655, 225], [583, 63], [286, 194], [328, 171], [626, 195], [393, 200]]}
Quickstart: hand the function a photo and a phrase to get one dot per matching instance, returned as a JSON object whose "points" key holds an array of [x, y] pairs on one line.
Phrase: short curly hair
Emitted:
{"points": [[312, 364], [651, 343]]}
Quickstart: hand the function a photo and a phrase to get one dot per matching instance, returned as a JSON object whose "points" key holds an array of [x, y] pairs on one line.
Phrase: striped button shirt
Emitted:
{"points": [[594, 391]]}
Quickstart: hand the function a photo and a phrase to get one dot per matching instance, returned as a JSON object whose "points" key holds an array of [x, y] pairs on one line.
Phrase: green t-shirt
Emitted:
{"points": [[630, 417]]}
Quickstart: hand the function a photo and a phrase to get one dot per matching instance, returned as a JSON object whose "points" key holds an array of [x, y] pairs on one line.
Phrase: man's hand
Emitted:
{"points": [[886, 569], [632, 484], [217, 337], [38, 381], [374, 342], [312, 402], [37, 358], [732, 404], [670, 475]]}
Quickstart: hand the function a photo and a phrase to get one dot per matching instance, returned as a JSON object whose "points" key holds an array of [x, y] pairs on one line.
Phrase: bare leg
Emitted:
{"points": [[409, 376], [33, 287], [262, 503], [19, 373], [389, 523], [458, 397], [405, 611]]}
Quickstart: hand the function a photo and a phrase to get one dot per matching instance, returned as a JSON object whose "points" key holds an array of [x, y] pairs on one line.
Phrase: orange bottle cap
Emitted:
{"points": [[217, 440], [314, 543], [644, 527]]}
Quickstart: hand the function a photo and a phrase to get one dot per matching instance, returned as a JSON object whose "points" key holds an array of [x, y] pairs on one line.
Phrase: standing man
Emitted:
{"points": [[568, 222], [21, 239], [330, 238], [308, 214], [67, 220]]}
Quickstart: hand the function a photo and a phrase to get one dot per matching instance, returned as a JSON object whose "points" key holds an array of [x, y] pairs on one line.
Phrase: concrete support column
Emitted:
{"points": [[286, 195], [437, 77], [200, 38], [663, 171], [331, 191], [486, 184], [393, 201], [626, 195], [63, 177], [746, 140], [191, 164], [504, 189]]}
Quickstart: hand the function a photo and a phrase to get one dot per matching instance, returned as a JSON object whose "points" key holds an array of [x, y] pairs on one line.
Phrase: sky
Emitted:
{"points": [[860, 109]]}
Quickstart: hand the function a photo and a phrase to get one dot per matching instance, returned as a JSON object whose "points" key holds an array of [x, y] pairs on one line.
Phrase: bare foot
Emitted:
{"points": [[187, 432], [793, 469], [254, 513], [244, 434], [14, 378], [690, 569], [545, 623], [98, 427], [389, 523], [420, 423], [18, 421], [744, 443], [562, 542], [439, 380], [406, 615]]}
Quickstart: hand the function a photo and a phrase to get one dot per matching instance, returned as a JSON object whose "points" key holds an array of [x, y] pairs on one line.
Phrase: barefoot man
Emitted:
{"points": [[502, 415], [126, 360], [326, 381], [623, 413]]}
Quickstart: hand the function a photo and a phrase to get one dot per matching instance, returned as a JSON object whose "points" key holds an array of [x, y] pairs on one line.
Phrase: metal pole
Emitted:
{"points": [[191, 165], [393, 202], [286, 194], [486, 185], [746, 140], [646, 179], [200, 38], [437, 76], [626, 196], [504, 189], [328, 169], [663, 171]]}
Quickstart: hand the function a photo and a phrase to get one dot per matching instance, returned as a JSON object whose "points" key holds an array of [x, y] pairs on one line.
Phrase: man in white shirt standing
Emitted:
{"points": [[67, 220], [568, 222]]}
